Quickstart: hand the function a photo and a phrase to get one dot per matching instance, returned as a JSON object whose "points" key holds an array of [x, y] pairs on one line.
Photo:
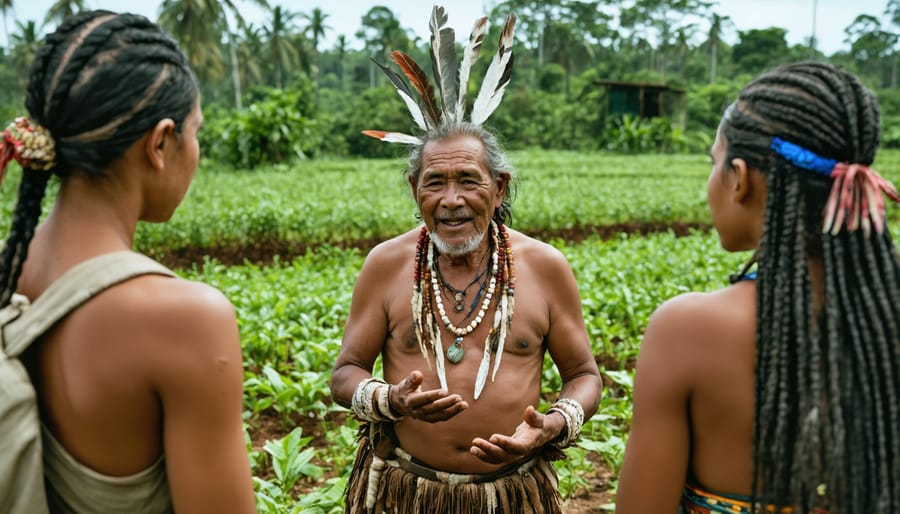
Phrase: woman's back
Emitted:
{"points": [[721, 402], [106, 374], [694, 391], [790, 180], [100, 369], [141, 386]]}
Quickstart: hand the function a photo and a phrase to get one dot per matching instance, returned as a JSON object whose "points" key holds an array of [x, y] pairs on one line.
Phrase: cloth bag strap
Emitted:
{"points": [[24, 323]]}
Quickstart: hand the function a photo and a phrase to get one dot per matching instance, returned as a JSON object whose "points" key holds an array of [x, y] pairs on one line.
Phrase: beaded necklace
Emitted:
{"points": [[455, 351], [459, 294], [427, 296]]}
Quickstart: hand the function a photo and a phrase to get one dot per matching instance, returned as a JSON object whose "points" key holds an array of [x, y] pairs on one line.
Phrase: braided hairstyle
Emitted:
{"points": [[827, 423], [98, 84]]}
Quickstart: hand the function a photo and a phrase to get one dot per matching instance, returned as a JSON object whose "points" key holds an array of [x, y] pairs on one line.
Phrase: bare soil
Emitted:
{"points": [[264, 251]]}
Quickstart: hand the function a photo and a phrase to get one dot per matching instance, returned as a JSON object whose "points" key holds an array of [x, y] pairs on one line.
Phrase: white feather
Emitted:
{"points": [[439, 357], [481, 377], [501, 340], [470, 57], [442, 41], [414, 110], [491, 91], [399, 137]]}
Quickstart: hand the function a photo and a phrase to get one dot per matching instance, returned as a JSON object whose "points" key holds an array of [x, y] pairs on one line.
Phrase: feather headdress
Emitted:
{"points": [[426, 111]]}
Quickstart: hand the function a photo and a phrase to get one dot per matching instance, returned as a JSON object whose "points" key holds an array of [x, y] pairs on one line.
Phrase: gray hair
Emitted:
{"points": [[494, 159]]}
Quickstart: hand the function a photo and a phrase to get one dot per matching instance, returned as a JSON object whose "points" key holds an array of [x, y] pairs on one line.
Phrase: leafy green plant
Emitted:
{"points": [[631, 134], [328, 499], [573, 471], [340, 438], [271, 130], [291, 461], [296, 392]]}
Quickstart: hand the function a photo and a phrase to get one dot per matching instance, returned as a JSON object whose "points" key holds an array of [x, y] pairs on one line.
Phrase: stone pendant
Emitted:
{"points": [[459, 302], [455, 351]]}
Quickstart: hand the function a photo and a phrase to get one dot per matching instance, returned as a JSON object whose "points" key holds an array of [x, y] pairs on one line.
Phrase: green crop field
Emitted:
{"points": [[285, 244]]}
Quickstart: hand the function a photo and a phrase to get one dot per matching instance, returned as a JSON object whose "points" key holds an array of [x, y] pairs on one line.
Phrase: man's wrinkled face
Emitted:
{"points": [[456, 194]]}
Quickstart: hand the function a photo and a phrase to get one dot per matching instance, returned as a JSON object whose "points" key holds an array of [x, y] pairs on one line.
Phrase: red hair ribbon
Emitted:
{"points": [[855, 199], [30, 145]]}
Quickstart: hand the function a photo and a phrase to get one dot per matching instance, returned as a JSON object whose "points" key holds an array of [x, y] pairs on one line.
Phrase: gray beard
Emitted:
{"points": [[467, 247]]}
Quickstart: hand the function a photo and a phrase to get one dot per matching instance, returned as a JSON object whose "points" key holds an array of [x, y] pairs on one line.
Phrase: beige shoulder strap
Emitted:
{"points": [[77, 285]]}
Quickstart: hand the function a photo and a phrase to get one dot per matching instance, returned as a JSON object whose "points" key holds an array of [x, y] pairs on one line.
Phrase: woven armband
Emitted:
{"points": [[573, 413], [363, 404], [384, 403]]}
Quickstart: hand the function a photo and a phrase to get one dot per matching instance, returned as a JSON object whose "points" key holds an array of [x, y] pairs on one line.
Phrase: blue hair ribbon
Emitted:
{"points": [[802, 158]]}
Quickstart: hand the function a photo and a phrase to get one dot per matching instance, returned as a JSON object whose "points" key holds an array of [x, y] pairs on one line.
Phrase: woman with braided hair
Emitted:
{"points": [[139, 382], [781, 393]]}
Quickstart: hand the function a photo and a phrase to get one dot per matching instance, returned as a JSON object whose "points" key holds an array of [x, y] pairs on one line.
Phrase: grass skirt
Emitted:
{"points": [[402, 486]]}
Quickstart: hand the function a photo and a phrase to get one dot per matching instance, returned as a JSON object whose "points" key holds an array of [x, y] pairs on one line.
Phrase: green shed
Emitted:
{"points": [[644, 100]]}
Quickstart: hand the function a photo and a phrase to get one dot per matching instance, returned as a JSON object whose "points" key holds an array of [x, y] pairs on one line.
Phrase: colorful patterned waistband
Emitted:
{"points": [[695, 500]]}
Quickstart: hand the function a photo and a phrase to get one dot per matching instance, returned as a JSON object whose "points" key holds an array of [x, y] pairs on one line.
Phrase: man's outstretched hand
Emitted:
{"points": [[408, 399], [534, 432]]}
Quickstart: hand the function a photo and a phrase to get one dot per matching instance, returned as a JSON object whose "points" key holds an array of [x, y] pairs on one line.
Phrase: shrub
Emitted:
{"points": [[631, 134], [270, 130], [707, 103]]}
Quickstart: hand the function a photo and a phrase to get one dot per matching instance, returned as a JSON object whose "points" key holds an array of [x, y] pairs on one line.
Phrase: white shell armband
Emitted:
{"points": [[573, 413], [363, 404]]}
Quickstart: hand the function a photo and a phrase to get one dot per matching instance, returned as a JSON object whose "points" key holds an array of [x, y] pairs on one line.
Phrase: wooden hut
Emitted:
{"points": [[643, 100]]}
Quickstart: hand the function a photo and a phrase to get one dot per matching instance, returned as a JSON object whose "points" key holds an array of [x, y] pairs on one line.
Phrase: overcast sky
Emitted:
{"points": [[344, 15]]}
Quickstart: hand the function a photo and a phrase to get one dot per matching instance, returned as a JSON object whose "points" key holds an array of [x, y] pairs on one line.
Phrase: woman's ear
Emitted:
{"points": [[157, 141], [742, 185]]}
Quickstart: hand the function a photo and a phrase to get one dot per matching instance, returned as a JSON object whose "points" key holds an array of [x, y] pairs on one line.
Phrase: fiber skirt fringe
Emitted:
{"points": [[530, 488]]}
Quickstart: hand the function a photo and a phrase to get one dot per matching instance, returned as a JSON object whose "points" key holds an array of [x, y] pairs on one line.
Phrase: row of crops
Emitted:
{"points": [[291, 309], [338, 201]]}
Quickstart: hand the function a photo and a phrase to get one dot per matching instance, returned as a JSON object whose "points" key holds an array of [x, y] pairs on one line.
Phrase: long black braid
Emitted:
{"points": [[98, 83], [827, 424]]}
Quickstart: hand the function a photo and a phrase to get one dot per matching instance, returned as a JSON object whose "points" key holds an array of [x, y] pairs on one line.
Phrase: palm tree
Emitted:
{"points": [[194, 24], [5, 7], [715, 35], [250, 47], [893, 12], [62, 9], [198, 24], [341, 48], [567, 47], [533, 18], [284, 53], [316, 28], [380, 32], [24, 44]]}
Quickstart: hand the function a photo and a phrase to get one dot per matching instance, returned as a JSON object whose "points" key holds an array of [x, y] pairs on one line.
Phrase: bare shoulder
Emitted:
{"points": [[691, 313], [181, 300], [385, 256], [537, 253], [698, 326], [171, 311]]}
